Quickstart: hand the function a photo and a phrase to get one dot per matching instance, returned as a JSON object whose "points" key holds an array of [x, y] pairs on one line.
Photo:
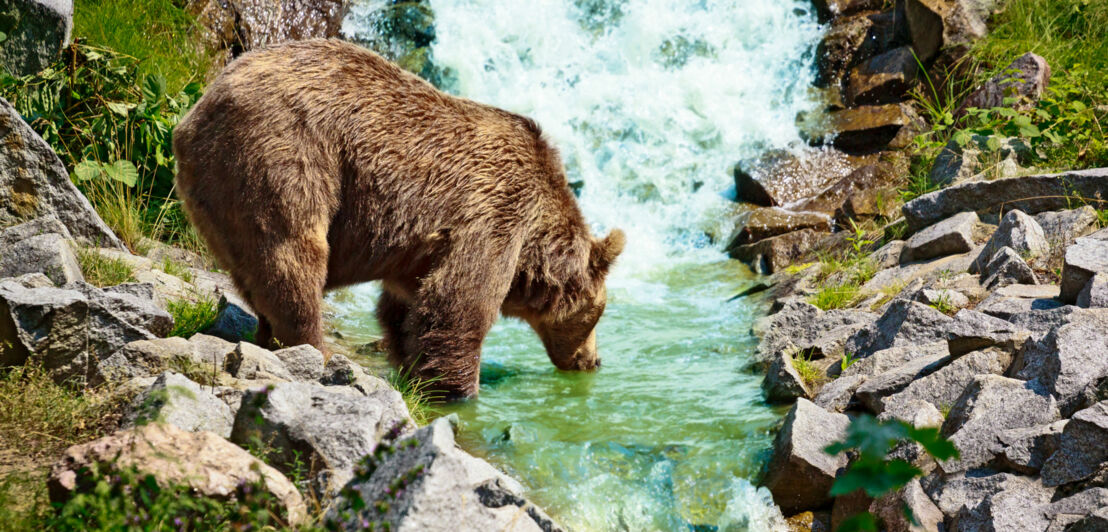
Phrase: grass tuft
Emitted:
{"points": [[177, 269], [808, 371], [191, 317], [102, 271], [420, 395]]}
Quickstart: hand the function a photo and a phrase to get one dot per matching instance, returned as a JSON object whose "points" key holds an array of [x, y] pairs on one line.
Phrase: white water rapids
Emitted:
{"points": [[651, 103]]}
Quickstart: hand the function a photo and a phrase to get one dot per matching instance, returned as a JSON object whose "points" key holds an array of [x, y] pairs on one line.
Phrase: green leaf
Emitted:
{"points": [[1031, 131], [123, 171], [877, 477], [1022, 120], [3, 36], [993, 144], [863, 522], [153, 88], [120, 108], [933, 442], [87, 170]]}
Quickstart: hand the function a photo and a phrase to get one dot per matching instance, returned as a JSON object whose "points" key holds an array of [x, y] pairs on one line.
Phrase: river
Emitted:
{"points": [[651, 103]]}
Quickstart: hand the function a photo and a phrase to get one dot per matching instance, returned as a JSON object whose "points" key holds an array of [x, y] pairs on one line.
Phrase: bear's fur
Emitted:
{"points": [[318, 164]]}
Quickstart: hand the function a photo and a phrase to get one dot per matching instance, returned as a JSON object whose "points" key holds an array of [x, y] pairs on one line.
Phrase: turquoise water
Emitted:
{"points": [[651, 103]]}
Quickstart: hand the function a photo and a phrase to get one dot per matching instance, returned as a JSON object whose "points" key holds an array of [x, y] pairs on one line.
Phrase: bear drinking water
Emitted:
{"points": [[318, 164]]}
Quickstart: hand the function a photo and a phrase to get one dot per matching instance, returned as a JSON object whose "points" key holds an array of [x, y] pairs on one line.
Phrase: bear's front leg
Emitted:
{"points": [[392, 312]]}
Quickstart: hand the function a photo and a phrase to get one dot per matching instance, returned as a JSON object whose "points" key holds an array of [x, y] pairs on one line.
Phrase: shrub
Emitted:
{"points": [[191, 317]]}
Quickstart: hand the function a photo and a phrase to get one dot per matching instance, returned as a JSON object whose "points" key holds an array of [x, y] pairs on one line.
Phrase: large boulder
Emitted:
{"points": [[1024, 79], [1020, 508], [948, 237], [251, 362], [267, 22], [1069, 358], [320, 430], [966, 491], [1017, 231], [766, 222], [800, 473], [780, 178], [782, 383], [425, 482], [1095, 293], [234, 321], [42, 245], [34, 183], [1030, 194], [870, 128], [178, 401], [890, 509], [1063, 227], [303, 362], [1063, 513], [148, 358], [801, 327], [1006, 267], [772, 254], [989, 406], [1084, 259], [1082, 449], [883, 79], [35, 31], [878, 387], [203, 461], [836, 51], [944, 387], [1024, 450], [904, 323], [972, 330]]}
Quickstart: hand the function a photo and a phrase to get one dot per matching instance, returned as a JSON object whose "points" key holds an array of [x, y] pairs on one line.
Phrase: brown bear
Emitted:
{"points": [[318, 164]]}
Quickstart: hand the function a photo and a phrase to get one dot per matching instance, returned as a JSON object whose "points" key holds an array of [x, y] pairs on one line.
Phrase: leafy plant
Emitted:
{"points": [[191, 317], [943, 304], [848, 360], [872, 471], [858, 241]]}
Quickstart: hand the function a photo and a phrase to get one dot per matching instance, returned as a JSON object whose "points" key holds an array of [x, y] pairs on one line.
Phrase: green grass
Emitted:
{"points": [[419, 395], [102, 271], [176, 269], [836, 297], [808, 371], [943, 304], [159, 33], [191, 317]]}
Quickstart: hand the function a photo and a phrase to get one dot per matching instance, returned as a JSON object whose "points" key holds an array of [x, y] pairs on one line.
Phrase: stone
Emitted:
{"points": [[234, 322], [34, 183], [1065, 512], [267, 22], [33, 280], [1030, 194], [1006, 307], [203, 461], [320, 430], [50, 254], [1084, 259], [870, 203], [1006, 267], [888, 255], [990, 405], [836, 51], [1063, 227], [801, 327], [972, 330], [1017, 231], [892, 358], [1095, 293], [878, 387], [903, 323], [917, 413], [446, 486], [948, 237], [1082, 448], [811, 521], [1095, 522], [1024, 79], [1068, 358], [37, 31], [889, 509], [924, 19], [134, 309], [766, 222], [1016, 509], [782, 178], [942, 297], [869, 128], [833, 9], [146, 358], [177, 400], [1042, 321], [251, 362], [955, 164], [210, 350], [837, 395], [966, 490], [773, 254], [304, 362], [800, 474], [944, 387], [1024, 450], [782, 383], [341, 371], [883, 79], [64, 330]]}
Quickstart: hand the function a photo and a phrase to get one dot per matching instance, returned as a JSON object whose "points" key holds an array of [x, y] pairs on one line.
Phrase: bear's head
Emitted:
{"points": [[570, 338]]}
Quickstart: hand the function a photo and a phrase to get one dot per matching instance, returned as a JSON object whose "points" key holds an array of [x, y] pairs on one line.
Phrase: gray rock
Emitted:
{"points": [[800, 473], [965, 491], [342, 371], [947, 237], [176, 400], [1063, 227], [1081, 449], [972, 330], [304, 362], [235, 322], [211, 350], [1041, 321], [251, 362], [917, 413], [990, 405], [837, 395], [64, 330], [1015, 509], [37, 31], [1006, 268], [894, 357], [1084, 259], [883, 79], [1095, 522], [936, 297], [1017, 231], [1072, 509], [33, 280], [955, 164], [1025, 78], [321, 431], [50, 254], [783, 384], [888, 256], [34, 183], [1006, 308], [42, 225], [890, 510], [1030, 194], [1095, 293], [944, 387], [803, 327], [1069, 358], [1024, 450], [441, 484], [903, 323], [145, 358], [136, 310], [878, 387]]}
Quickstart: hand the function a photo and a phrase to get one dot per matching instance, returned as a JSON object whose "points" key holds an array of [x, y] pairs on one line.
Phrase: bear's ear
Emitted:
{"points": [[605, 251]]}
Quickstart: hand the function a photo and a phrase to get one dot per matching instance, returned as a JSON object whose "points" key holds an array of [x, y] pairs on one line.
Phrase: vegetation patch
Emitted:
{"points": [[191, 317], [100, 270], [177, 269], [809, 372], [420, 395]]}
